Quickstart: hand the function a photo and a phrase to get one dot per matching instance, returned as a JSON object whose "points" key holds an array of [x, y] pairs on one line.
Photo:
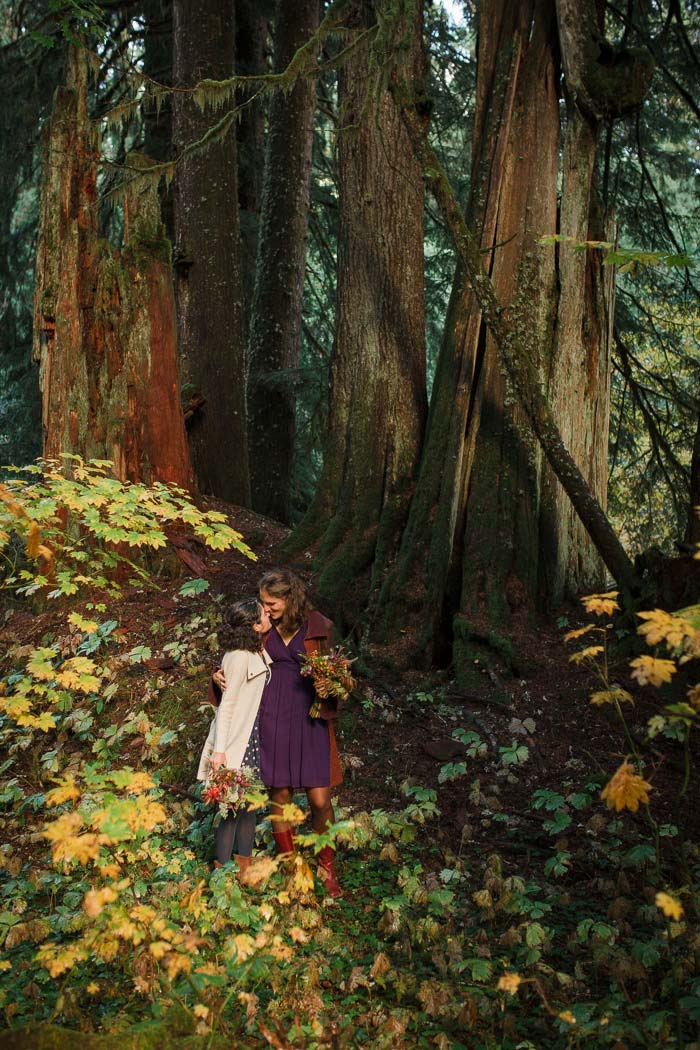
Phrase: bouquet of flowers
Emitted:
{"points": [[331, 676], [226, 788]]}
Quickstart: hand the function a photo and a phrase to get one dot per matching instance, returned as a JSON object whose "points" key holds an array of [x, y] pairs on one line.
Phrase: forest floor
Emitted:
{"points": [[504, 780]]}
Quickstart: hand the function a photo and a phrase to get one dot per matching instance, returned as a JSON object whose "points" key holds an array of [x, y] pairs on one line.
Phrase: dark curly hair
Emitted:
{"points": [[236, 630], [283, 583]]}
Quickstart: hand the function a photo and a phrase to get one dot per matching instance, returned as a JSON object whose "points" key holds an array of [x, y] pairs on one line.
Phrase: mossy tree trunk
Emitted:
{"points": [[104, 321], [251, 58], [490, 533], [158, 120], [377, 396], [211, 315], [275, 328], [577, 378]]}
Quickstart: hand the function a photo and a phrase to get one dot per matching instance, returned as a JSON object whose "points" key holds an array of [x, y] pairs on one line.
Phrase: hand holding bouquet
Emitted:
{"points": [[331, 676], [226, 788]]}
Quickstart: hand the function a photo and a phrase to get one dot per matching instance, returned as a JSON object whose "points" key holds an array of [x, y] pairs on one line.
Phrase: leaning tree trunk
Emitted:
{"points": [[377, 397], [275, 328], [479, 481], [104, 321], [211, 317]]}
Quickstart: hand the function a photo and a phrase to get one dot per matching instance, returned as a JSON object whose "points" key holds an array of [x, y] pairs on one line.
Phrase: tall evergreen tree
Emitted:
{"points": [[211, 316], [377, 394], [275, 329]]}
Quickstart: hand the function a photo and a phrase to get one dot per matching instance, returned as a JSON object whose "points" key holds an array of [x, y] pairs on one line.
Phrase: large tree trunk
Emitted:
{"points": [[481, 543], [578, 375], [104, 321], [377, 398], [275, 328], [251, 51], [211, 317], [158, 119]]}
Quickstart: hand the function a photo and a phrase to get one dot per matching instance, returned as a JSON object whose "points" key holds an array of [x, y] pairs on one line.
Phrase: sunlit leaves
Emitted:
{"points": [[648, 670], [626, 789], [113, 517], [672, 908]]}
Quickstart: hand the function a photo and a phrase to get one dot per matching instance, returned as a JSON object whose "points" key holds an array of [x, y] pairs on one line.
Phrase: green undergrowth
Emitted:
{"points": [[555, 917]]}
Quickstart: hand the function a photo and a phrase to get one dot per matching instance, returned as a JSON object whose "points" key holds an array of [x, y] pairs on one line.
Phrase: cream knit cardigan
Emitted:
{"points": [[246, 674]]}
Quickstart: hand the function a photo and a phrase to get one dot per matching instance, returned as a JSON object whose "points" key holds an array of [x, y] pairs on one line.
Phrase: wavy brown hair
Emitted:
{"points": [[236, 630], [283, 583]]}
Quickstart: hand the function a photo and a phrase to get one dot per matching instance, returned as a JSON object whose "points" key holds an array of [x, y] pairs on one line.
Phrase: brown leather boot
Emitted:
{"points": [[284, 840], [326, 872], [242, 862]]}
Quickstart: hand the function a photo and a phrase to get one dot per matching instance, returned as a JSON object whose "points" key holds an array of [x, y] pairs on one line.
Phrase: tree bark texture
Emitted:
{"points": [[104, 321], [158, 120], [377, 397], [577, 379], [211, 317], [251, 58], [275, 328], [481, 542]]}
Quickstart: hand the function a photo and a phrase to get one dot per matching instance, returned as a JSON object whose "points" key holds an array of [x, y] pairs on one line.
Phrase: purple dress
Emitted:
{"points": [[294, 748]]}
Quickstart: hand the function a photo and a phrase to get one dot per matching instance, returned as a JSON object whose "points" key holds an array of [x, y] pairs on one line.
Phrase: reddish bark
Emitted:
{"points": [[105, 332]]}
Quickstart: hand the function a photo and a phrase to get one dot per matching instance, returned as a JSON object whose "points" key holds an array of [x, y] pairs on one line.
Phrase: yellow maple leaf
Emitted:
{"points": [[509, 982], [566, 1015], [601, 604], [158, 949], [244, 946], [291, 814], [580, 631], [660, 626], [626, 789], [139, 783], [95, 900], [40, 665], [589, 653], [298, 935], [302, 880], [86, 626], [175, 964], [672, 908], [92, 988], [647, 670], [609, 696], [66, 789]]}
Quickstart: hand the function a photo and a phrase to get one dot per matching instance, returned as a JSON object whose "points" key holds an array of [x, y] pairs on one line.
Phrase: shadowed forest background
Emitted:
{"points": [[404, 295]]}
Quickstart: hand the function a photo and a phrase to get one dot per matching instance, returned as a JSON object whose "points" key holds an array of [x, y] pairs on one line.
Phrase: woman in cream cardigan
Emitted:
{"points": [[234, 739]]}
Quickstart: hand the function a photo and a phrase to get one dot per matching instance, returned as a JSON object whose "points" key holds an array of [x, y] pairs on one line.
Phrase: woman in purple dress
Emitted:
{"points": [[297, 751]]}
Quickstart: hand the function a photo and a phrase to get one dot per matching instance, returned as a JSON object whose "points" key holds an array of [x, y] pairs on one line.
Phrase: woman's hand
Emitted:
{"points": [[220, 679], [217, 760]]}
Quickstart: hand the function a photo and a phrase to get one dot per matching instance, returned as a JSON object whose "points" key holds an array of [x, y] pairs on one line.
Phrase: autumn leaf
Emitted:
{"points": [[509, 982], [566, 1015], [672, 908], [647, 670], [601, 604], [660, 626], [626, 789], [580, 631], [67, 789], [613, 695], [95, 900], [588, 653], [86, 626]]}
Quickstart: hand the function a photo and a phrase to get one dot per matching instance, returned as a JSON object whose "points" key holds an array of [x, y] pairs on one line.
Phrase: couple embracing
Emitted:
{"points": [[262, 719]]}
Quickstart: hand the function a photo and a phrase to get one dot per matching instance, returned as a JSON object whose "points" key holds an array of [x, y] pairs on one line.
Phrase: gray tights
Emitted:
{"points": [[236, 834]]}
